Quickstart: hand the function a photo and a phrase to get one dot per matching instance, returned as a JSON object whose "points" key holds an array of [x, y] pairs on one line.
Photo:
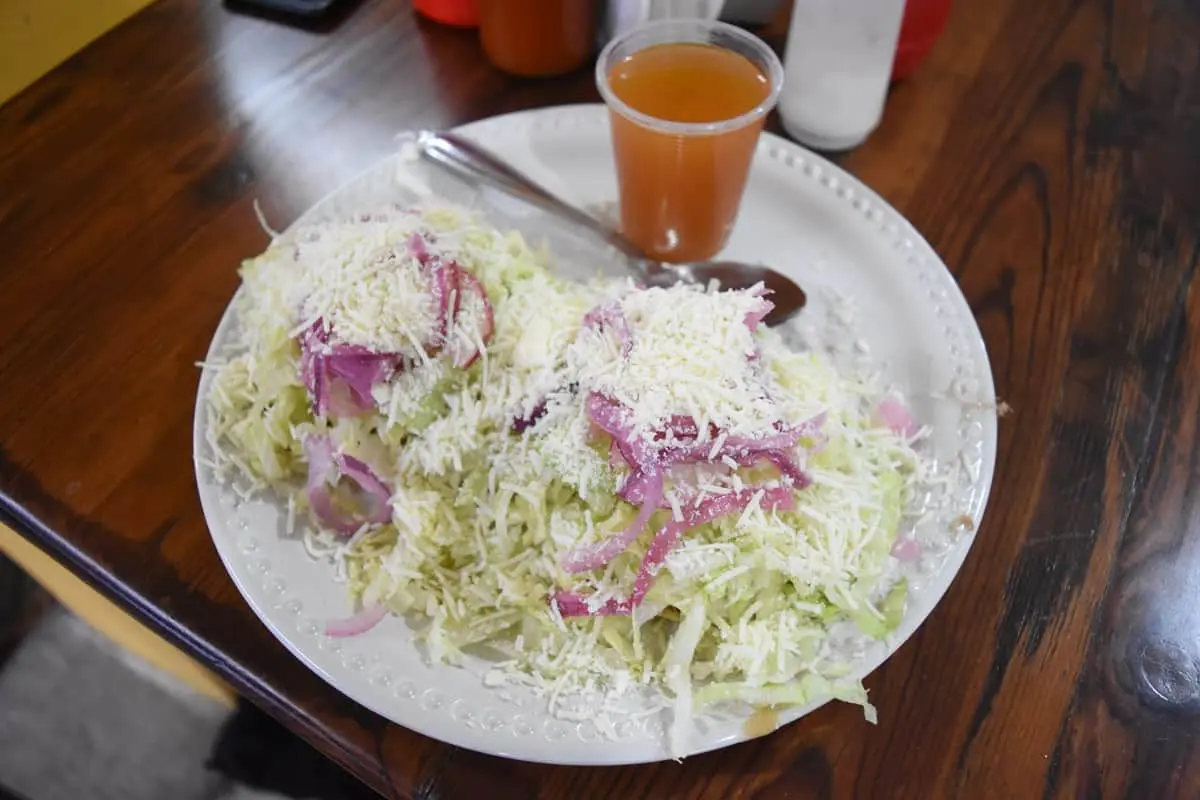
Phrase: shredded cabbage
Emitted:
{"points": [[741, 610]]}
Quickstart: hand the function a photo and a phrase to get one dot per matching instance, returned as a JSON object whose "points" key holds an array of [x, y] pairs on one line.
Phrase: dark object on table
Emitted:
{"points": [[9, 794], [318, 16], [257, 751], [22, 602], [302, 8]]}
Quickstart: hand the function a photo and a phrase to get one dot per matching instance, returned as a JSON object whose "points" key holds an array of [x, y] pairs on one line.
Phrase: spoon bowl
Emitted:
{"points": [[786, 296], [472, 163]]}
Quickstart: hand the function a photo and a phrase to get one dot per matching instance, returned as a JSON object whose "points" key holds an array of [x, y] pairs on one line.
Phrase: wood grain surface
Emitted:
{"points": [[1049, 150]]}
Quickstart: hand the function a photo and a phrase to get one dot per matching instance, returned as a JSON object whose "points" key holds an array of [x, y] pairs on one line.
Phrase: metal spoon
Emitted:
{"points": [[469, 161]]}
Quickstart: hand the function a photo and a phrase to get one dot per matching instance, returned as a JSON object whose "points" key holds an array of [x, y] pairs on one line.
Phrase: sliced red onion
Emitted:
{"points": [[611, 315], [678, 446], [814, 425], [894, 415], [636, 486], [378, 494], [469, 284], [573, 604], [616, 458], [782, 461], [681, 429], [684, 449], [609, 415], [714, 507], [356, 624], [613, 418], [585, 559], [360, 370], [312, 342], [340, 377], [813, 429], [418, 249], [907, 550], [542, 407], [694, 453], [788, 468], [325, 469], [753, 318], [339, 401], [627, 452], [451, 286], [784, 440], [446, 297], [745, 451], [666, 540], [321, 464], [775, 448], [322, 472], [646, 464], [315, 378], [522, 424], [682, 426], [488, 328], [708, 510]]}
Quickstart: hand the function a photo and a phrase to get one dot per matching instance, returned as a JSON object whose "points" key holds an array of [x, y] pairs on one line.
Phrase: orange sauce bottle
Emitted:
{"points": [[684, 129], [535, 38]]}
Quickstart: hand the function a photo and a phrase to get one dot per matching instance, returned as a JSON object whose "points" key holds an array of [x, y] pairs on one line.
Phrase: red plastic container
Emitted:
{"points": [[924, 21], [460, 13]]}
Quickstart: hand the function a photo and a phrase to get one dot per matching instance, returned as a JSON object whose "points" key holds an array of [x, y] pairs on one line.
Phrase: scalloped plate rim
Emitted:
{"points": [[424, 721]]}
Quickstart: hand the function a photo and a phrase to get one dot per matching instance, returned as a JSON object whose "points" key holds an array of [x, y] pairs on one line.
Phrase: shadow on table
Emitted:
{"points": [[255, 750], [788, 763]]}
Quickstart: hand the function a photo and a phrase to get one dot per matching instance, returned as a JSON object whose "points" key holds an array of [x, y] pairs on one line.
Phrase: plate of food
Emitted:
{"points": [[486, 485]]}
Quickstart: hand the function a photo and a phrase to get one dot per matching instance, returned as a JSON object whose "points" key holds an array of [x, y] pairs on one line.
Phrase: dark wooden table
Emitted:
{"points": [[1050, 151]]}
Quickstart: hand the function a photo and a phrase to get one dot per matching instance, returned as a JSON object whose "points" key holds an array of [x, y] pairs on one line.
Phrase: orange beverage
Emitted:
{"points": [[687, 101], [534, 38]]}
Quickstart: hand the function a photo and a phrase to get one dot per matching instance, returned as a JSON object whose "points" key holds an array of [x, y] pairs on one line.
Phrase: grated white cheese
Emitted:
{"points": [[482, 514], [688, 356]]}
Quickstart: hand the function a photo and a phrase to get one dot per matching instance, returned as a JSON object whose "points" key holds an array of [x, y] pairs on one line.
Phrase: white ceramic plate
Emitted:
{"points": [[801, 215]]}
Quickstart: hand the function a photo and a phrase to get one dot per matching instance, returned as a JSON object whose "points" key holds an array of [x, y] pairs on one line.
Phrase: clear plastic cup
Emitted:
{"points": [[687, 99]]}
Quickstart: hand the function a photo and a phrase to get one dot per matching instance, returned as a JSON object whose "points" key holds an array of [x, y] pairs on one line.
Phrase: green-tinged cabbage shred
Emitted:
{"points": [[482, 516]]}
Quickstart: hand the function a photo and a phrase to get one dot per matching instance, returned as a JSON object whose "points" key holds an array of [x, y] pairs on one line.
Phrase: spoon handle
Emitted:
{"points": [[472, 162]]}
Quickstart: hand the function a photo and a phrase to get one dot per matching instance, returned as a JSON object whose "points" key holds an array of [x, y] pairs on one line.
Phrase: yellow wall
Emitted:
{"points": [[38, 35], [105, 617]]}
